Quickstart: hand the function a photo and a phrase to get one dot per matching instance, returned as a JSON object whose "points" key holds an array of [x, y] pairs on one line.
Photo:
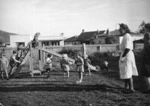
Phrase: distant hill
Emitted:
{"points": [[5, 36]]}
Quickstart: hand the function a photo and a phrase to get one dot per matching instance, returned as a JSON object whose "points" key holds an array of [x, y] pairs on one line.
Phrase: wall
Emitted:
{"points": [[89, 48], [19, 38]]}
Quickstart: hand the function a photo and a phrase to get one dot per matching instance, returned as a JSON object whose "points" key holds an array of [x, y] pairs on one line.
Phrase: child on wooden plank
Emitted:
{"points": [[64, 63], [49, 64], [4, 66], [79, 67]]}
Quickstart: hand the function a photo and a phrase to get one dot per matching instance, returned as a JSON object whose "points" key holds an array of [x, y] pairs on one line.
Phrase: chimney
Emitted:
{"points": [[82, 30]]}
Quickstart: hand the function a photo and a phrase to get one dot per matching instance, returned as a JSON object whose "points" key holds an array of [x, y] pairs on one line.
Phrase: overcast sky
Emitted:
{"points": [[52, 17]]}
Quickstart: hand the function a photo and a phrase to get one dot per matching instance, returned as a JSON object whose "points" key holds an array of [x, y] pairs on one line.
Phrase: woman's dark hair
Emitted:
{"points": [[125, 27]]}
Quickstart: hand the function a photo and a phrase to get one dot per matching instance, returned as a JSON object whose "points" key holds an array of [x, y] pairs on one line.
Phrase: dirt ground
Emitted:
{"points": [[99, 89]]}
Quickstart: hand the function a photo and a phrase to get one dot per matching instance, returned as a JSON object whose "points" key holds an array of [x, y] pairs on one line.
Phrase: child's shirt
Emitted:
{"points": [[86, 62], [49, 62], [79, 61], [64, 63], [106, 63]]}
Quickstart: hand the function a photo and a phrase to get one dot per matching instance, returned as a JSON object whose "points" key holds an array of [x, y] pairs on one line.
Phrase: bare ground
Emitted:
{"points": [[99, 89]]}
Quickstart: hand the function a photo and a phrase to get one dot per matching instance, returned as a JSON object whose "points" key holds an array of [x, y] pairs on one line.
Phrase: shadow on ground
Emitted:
{"points": [[59, 87]]}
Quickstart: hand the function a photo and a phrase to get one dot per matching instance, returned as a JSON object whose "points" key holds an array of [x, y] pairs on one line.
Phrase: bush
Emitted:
{"points": [[70, 52], [99, 58]]}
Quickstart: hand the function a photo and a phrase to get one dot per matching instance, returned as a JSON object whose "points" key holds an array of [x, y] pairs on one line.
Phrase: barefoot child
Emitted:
{"points": [[79, 67], [13, 62], [86, 63], [3, 66], [49, 64], [64, 63]]}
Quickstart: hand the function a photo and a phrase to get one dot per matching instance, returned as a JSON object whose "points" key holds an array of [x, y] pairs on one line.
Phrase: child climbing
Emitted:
{"points": [[13, 62]]}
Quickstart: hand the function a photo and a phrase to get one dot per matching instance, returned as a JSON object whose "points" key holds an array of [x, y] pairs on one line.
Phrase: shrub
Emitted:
{"points": [[70, 52]]}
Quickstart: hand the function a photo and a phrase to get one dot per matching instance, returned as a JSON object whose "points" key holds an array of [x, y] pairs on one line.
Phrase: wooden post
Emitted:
{"points": [[84, 49], [41, 60], [30, 59]]}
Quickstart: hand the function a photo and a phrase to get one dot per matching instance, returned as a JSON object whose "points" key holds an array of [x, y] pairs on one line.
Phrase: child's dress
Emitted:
{"points": [[86, 63], [79, 64], [64, 63]]}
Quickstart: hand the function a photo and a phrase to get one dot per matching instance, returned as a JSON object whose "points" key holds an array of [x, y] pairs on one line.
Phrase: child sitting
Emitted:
{"points": [[86, 63], [49, 64], [79, 67], [3, 66], [64, 63]]}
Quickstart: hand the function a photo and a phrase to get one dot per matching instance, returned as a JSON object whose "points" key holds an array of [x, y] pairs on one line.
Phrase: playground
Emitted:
{"points": [[29, 87], [100, 89]]}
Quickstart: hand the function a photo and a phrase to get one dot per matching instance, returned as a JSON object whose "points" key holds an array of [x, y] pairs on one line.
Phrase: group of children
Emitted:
{"points": [[4, 63], [81, 65]]}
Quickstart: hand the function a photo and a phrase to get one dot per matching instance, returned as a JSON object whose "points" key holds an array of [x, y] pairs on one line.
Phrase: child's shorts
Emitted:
{"points": [[80, 68], [65, 68]]}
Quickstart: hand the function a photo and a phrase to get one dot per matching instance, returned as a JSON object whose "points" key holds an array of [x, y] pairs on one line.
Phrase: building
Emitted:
{"points": [[16, 40], [5, 38], [71, 40], [88, 37], [45, 40], [52, 40]]}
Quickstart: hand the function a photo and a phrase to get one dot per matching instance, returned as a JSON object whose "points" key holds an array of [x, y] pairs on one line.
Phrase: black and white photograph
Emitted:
{"points": [[74, 53]]}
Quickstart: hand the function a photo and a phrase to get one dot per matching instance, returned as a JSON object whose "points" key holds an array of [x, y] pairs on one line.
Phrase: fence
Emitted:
{"points": [[89, 48]]}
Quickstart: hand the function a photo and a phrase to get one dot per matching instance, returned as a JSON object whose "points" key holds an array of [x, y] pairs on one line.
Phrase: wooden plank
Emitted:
{"points": [[26, 58], [56, 54]]}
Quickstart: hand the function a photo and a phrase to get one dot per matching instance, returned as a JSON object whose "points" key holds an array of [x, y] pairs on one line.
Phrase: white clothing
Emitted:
{"points": [[128, 66]]}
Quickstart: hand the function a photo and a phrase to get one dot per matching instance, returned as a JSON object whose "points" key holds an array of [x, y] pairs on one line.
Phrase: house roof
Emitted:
{"points": [[114, 33], [86, 36], [50, 38], [5, 36], [71, 39]]}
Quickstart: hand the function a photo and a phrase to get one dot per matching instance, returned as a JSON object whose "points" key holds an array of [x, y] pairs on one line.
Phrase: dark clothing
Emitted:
{"points": [[12, 62], [146, 56], [86, 62]]}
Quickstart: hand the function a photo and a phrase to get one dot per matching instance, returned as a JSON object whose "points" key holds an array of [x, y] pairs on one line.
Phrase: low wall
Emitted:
{"points": [[89, 48]]}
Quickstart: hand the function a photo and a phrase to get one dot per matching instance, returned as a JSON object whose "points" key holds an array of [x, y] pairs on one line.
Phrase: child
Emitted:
{"points": [[3, 66], [86, 63], [13, 62], [49, 64], [79, 67], [105, 65], [64, 63]]}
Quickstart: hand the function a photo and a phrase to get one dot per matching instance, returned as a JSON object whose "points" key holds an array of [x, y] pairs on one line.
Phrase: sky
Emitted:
{"points": [[53, 17]]}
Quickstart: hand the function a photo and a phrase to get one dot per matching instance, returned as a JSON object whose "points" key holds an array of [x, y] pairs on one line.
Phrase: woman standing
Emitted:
{"points": [[127, 60], [146, 56]]}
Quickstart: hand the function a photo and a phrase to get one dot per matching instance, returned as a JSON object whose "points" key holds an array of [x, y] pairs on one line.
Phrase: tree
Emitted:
{"points": [[1, 42], [112, 40], [141, 27]]}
